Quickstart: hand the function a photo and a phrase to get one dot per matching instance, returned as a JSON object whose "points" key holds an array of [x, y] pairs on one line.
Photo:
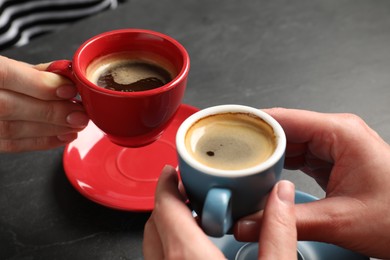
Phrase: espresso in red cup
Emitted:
{"points": [[131, 82]]}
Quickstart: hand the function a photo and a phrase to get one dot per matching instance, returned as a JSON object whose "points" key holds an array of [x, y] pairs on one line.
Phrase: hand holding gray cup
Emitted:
{"points": [[230, 157]]}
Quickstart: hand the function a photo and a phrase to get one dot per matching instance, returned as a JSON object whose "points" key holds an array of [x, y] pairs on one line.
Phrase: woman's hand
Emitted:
{"points": [[352, 164], [172, 232], [35, 108]]}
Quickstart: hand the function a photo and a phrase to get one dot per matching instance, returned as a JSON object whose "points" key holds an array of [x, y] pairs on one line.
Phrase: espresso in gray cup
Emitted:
{"points": [[230, 141]]}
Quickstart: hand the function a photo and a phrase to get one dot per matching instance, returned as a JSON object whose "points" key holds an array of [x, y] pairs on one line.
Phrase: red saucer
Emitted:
{"points": [[119, 177]]}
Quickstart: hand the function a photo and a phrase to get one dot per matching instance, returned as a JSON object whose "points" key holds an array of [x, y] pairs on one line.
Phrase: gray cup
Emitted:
{"points": [[221, 197]]}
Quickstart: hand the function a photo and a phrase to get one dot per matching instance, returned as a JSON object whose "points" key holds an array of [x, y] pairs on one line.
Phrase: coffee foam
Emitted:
{"points": [[120, 60], [126, 72], [231, 141]]}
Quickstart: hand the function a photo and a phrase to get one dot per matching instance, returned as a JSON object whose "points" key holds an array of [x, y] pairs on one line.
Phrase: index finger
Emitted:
{"points": [[327, 136], [26, 79]]}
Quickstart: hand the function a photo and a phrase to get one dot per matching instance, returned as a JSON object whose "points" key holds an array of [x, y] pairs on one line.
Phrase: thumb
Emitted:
{"points": [[278, 237], [323, 220]]}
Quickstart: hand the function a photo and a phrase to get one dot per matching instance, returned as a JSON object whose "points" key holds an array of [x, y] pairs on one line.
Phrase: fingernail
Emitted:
{"points": [[167, 167], [67, 137], [66, 91], [246, 228], [78, 118], [286, 191]]}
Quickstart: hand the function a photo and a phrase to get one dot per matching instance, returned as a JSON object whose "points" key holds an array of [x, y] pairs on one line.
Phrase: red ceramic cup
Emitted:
{"points": [[130, 119]]}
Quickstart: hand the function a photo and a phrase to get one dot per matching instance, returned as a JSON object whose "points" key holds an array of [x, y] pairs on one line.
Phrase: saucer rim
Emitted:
{"points": [[137, 203]]}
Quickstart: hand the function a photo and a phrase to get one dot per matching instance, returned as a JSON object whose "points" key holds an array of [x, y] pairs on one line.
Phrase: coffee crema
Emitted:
{"points": [[128, 72], [230, 141]]}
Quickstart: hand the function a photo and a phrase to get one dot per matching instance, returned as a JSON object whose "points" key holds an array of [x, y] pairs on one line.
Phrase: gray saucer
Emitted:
{"points": [[307, 250]]}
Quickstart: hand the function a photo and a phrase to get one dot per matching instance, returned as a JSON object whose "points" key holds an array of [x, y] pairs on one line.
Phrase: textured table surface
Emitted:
{"points": [[322, 55]]}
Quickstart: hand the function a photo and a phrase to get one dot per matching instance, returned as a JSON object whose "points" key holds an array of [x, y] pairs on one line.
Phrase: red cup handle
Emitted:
{"points": [[64, 68]]}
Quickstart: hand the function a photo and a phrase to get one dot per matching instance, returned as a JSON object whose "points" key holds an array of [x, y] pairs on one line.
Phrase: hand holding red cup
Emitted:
{"points": [[130, 119]]}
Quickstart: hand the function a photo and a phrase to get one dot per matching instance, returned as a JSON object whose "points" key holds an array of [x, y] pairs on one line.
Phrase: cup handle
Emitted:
{"points": [[64, 68], [217, 214]]}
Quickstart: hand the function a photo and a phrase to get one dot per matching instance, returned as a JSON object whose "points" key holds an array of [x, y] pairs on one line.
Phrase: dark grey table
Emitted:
{"points": [[323, 55]]}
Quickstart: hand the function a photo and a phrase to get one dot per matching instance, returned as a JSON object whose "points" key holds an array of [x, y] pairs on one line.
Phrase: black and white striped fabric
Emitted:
{"points": [[21, 20]]}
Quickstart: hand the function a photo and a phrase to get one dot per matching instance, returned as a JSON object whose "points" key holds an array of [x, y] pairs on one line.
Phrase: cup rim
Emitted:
{"points": [[182, 74], [272, 160]]}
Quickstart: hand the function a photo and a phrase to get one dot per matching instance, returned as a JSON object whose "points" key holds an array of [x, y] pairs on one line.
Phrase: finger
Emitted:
{"points": [[34, 144], [303, 127], [41, 66], [25, 79], [312, 220], [14, 106], [24, 129], [298, 156], [152, 246], [328, 220], [295, 149], [248, 228], [168, 200], [183, 192], [294, 163], [323, 132], [278, 237], [346, 222], [179, 232]]}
